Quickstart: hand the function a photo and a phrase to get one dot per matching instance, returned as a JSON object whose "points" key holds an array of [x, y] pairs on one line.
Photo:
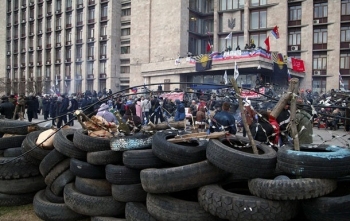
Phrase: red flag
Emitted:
{"points": [[298, 65], [208, 46], [275, 32], [267, 42]]}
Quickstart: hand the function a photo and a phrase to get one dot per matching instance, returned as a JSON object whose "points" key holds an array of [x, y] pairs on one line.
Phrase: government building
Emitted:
{"points": [[76, 45]]}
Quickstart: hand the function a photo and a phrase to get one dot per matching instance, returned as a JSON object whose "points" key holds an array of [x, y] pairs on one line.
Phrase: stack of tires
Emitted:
{"points": [[220, 179]]}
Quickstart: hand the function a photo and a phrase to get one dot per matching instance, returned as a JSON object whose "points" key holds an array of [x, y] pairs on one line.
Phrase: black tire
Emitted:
{"points": [[101, 218], [50, 161], [166, 207], [180, 178], [233, 206], [63, 143], [291, 189], [63, 179], [136, 141], [122, 175], [142, 159], [56, 171], [322, 161], [23, 185], [93, 187], [17, 168], [86, 170], [179, 153], [90, 144], [10, 142], [137, 212], [241, 161], [15, 127], [12, 152], [16, 200], [104, 157], [49, 211], [91, 205], [52, 197], [29, 144], [334, 206], [129, 193]]}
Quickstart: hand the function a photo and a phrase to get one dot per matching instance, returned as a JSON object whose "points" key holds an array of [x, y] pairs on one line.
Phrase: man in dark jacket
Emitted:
{"points": [[53, 114], [283, 121], [74, 105], [7, 108], [262, 130], [46, 106], [224, 120], [32, 106], [62, 111]]}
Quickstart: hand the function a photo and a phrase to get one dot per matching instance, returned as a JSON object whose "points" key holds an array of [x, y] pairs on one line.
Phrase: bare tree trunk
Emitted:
{"points": [[293, 126]]}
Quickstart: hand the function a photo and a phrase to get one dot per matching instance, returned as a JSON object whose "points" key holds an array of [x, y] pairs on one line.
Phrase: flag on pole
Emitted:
{"points": [[289, 76], [229, 36], [56, 80], [208, 46], [341, 82], [225, 77], [236, 74], [275, 32], [267, 43]]}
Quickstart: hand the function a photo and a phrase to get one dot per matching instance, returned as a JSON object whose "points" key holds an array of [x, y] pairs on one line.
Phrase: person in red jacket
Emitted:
{"points": [[276, 128]]}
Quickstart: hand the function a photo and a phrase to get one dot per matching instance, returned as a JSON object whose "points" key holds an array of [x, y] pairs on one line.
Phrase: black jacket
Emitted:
{"points": [[226, 120], [262, 131], [7, 109], [46, 104]]}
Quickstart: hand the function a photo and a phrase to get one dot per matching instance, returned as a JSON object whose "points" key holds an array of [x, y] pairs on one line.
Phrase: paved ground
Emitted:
{"points": [[338, 137]]}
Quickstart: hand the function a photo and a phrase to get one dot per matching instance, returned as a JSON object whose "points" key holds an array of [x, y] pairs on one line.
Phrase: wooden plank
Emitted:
{"points": [[188, 137]]}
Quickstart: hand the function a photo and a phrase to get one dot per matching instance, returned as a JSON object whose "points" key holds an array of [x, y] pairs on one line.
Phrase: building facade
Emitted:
{"points": [[65, 45], [316, 31]]}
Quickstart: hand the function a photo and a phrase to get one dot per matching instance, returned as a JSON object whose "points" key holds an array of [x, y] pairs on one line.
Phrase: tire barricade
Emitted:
{"points": [[219, 179]]}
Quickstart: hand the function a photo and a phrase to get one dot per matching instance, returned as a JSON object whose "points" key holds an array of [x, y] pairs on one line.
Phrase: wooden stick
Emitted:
{"points": [[244, 119], [293, 126], [188, 137], [293, 83]]}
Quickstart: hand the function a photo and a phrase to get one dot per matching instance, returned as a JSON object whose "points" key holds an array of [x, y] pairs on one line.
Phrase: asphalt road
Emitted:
{"points": [[339, 137]]}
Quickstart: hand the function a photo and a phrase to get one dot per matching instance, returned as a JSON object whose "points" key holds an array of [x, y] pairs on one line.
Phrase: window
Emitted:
{"points": [[320, 62], [231, 4], [103, 67], [257, 2], [345, 61], [259, 39], [125, 32], [80, 34], [103, 49], [48, 25], [79, 51], [294, 37], [58, 21], [91, 32], [68, 53], [92, 13], [103, 30], [204, 6], [91, 50], [124, 69], [320, 36], [104, 11], [125, 42], [345, 34], [48, 55], [40, 41], [69, 36], [125, 5], [80, 17], [78, 69], [58, 37], [58, 5], [58, 54], [125, 23], [69, 19], [69, 3], [319, 85], [199, 25], [90, 68], [126, 12], [321, 10], [258, 19], [68, 70], [125, 49], [345, 7], [295, 13], [125, 61], [57, 71], [233, 43], [48, 39]]}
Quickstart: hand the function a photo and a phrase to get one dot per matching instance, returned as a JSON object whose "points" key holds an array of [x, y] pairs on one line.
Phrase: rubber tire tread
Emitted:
{"points": [[129, 193], [137, 212], [312, 164], [92, 205], [102, 218], [49, 211], [66, 146], [30, 143], [50, 161], [179, 178], [93, 187], [12, 152], [165, 207], [16, 199], [241, 163], [56, 171], [10, 142], [177, 154], [57, 186], [122, 175], [90, 144], [86, 170], [14, 127], [293, 189], [23, 185], [17, 168], [142, 159], [104, 157], [227, 205], [52, 197]]}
